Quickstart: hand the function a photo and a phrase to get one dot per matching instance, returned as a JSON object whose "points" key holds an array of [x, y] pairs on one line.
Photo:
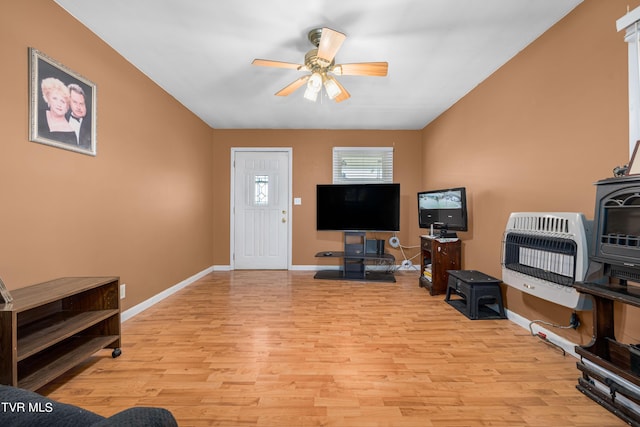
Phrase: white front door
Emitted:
{"points": [[260, 209]]}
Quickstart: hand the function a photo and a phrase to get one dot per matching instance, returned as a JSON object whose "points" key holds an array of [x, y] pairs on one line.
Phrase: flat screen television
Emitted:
{"points": [[358, 207], [443, 209]]}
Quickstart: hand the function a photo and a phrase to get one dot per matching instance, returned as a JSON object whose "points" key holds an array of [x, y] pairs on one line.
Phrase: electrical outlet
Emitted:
{"points": [[574, 321], [123, 291]]}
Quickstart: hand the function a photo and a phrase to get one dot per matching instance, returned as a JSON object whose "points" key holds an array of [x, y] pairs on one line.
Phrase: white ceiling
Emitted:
{"points": [[200, 51]]}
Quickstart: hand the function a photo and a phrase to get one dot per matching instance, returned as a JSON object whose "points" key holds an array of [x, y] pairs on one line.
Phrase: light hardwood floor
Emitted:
{"points": [[277, 348]]}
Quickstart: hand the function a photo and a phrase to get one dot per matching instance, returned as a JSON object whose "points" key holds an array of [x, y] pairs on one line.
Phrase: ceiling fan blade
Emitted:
{"points": [[277, 64], [362, 69], [330, 42], [293, 86], [343, 95]]}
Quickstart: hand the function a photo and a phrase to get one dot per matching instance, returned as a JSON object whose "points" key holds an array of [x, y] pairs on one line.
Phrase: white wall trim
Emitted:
{"points": [[628, 20], [313, 267], [396, 267], [564, 343], [631, 24], [139, 308]]}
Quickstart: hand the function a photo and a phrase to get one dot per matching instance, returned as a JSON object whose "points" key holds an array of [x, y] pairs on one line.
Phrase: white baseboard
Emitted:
{"points": [[313, 267], [137, 309], [565, 344], [397, 267]]}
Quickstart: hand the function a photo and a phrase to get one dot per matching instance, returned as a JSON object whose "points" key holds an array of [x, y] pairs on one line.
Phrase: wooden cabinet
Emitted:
{"points": [[605, 361], [437, 255], [50, 327]]}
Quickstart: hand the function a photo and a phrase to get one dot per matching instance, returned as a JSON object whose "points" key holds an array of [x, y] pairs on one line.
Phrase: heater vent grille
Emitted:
{"points": [[544, 254]]}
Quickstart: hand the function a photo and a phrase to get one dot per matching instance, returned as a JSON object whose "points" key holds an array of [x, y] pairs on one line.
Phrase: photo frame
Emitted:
{"points": [[634, 163], [62, 106], [5, 295]]}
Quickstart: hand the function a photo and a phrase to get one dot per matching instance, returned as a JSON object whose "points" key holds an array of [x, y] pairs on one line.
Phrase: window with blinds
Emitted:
{"points": [[362, 165]]}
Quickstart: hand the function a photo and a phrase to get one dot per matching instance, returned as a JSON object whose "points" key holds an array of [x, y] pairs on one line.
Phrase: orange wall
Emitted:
{"points": [[312, 158], [153, 206], [141, 209], [536, 135]]}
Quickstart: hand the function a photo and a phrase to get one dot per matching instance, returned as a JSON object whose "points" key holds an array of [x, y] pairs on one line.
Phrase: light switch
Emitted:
{"points": [[297, 200]]}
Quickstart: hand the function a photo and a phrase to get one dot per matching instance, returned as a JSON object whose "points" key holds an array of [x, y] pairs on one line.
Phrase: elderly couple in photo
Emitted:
{"points": [[65, 119]]}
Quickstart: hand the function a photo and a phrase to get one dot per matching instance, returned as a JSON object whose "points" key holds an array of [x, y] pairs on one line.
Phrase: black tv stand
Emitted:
{"points": [[354, 260]]}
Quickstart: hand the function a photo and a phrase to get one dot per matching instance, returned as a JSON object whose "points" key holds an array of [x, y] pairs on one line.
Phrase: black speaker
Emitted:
{"points": [[375, 247], [372, 247]]}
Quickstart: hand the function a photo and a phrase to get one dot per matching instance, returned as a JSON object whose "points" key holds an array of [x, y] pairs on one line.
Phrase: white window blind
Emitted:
{"points": [[362, 165]]}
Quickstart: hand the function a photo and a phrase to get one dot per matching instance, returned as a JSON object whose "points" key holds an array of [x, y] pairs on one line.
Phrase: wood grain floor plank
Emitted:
{"points": [[278, 348]]}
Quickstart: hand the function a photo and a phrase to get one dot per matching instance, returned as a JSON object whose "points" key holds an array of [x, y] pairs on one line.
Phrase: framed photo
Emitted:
{"points": [[62, 106], [634, 163]]}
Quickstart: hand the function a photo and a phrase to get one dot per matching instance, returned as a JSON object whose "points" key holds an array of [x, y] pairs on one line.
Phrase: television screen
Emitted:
{"points": [[443, 209], [358, 207]]}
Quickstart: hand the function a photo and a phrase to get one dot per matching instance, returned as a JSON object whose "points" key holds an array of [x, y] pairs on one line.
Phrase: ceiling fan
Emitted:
{"points": [[320, 63]]}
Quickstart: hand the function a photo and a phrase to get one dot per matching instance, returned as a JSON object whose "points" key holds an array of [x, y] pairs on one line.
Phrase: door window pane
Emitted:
{"points": [[261, 184]]}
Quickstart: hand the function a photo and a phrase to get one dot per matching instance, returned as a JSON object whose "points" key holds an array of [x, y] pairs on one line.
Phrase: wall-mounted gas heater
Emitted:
{"points": [[545, 253]]}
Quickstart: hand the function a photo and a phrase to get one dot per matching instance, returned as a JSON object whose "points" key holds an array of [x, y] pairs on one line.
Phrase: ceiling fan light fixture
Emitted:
{"points": [[311, 94], [331, 87], [320, 62], [315, 82], [314, 86]]}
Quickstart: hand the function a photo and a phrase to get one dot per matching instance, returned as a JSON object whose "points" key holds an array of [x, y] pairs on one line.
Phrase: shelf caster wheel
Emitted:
{"points": [[116, 352]]}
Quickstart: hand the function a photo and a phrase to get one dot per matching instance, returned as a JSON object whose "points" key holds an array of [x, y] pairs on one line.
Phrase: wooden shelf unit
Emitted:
{"points": [[437, 255], [51, 327], [604, 351]]}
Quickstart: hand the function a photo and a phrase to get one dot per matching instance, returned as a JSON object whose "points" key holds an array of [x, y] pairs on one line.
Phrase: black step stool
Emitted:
{"points": [[477, 290]]}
